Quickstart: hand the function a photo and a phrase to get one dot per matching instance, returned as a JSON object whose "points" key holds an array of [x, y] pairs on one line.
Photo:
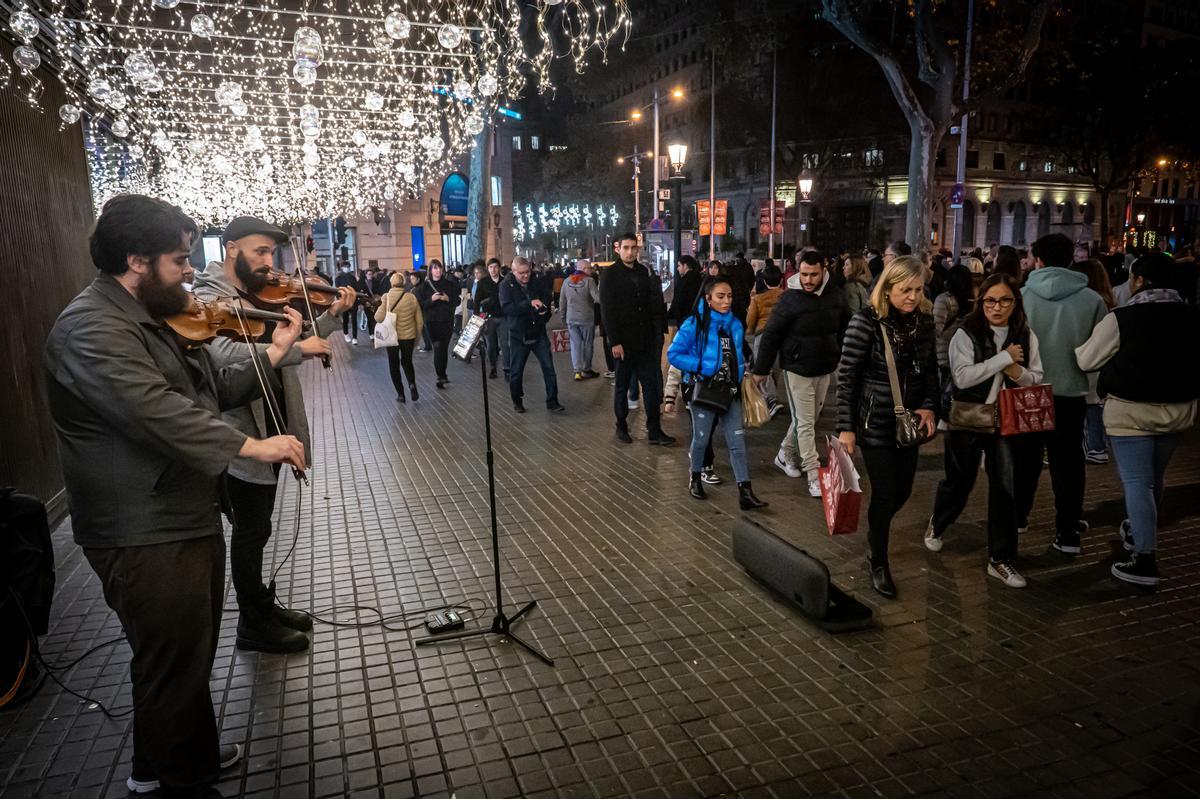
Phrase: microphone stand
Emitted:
{"points": [[502, 623]]}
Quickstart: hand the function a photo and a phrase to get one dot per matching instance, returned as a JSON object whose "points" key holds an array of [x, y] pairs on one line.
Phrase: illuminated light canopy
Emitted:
{"points": [[529, 223], [420, 80]]}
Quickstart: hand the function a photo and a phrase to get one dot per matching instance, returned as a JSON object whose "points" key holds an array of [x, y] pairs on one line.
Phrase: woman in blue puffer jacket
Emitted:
{"points": [[708, 347]]}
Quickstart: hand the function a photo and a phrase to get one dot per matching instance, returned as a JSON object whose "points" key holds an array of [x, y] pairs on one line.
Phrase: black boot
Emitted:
{"points": [[259, 630], [412, 389], [747, 499], [881, 579], [696, 487], [292, 619]]}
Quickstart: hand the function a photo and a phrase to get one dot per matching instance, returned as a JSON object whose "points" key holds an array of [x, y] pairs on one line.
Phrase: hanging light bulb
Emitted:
{"points": [[348, 162], [136, 152], [449, 36], [239, 108], [26, 58], [488, 85], [462, 90], [309, 111], [406, 119], [473, 124], [139, 67], [202, 25], [24, 25], [359, 138], [117, 101], [69, 113], [154, 84], [229, 92], [381, 41], [374, 101], [167, 4], [311, 185], [99, 88], [119, 128], [304, 74], [397, 25]]}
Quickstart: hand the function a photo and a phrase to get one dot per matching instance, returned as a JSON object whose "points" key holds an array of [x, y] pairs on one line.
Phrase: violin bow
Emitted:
{"points": [[298, 252]]}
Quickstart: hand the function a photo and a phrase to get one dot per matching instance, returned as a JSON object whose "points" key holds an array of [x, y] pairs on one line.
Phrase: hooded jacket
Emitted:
{"points": [[805, 330], [577, 299], [692, 356], [1062, 312]]}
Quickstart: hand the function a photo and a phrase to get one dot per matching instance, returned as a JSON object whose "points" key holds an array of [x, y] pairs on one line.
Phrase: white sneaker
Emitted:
{"points": [[932, 542], [347, 337], [1006, 574], [634, 405], [785, 467], [814, 485], [230, 754]]}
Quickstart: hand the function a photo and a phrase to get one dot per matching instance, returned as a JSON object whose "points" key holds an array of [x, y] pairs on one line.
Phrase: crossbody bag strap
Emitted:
{"points": [[897, 397]]}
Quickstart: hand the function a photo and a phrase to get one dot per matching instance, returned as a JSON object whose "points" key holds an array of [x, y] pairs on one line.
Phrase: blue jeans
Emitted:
{"points": [[583, 337], [518, 353], [1142, 463], [1094, 428], [703, 422]]}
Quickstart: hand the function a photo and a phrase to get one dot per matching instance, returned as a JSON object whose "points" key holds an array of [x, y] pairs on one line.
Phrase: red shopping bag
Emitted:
{"points": [[840, 491], [1026, 409], [560, 340]]}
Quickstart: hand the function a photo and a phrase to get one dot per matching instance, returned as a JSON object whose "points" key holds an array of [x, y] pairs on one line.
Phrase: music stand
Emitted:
{"points": [[502, 623]]}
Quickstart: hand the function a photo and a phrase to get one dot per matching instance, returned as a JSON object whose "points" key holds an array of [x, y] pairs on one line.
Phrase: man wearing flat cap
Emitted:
{"points": [[263, 626]]}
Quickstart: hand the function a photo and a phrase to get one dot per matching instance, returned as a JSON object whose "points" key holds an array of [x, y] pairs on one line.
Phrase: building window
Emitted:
{"points": [[1048, 166], [1070, 170], [497, 194], [1022, 166], [972, 159], [535, 143], [873, 156], [516, 142], [998, 161]]}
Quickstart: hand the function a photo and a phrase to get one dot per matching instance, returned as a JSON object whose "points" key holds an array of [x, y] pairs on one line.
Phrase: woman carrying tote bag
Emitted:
{"points": [[993, 349], [887, 391], [408, 324], [709, 346]]}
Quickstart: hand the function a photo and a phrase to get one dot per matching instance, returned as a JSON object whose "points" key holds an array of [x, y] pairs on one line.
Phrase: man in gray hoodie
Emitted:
{"points": [[577, 303], [1062, 312], [249, 253]]}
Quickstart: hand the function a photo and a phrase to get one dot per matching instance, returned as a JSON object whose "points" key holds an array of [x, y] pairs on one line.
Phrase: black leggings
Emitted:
{"points": [[399, 355], [439, 334], [891, 471]]}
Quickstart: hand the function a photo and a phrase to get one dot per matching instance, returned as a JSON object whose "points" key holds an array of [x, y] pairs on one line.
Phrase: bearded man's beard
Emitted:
{"points": [[160, 299], [252, 281]]}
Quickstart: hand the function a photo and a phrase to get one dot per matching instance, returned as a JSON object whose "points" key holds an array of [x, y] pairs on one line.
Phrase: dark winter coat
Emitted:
{"points": [[487, 297], [441, 312], [805, 330], [525, 323], [683, 301], [865, 405], [631, 304]]}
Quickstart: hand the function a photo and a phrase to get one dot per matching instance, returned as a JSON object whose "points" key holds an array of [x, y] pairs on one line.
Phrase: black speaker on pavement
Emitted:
{"points": [[798, 577]]}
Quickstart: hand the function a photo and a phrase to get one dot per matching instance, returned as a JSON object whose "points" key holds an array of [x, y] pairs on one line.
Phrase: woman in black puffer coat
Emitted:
{"points": [[438, 296], [866, 416]]}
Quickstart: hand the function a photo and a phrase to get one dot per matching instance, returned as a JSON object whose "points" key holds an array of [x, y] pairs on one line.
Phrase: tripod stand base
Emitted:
{"points": [[501, 625]]}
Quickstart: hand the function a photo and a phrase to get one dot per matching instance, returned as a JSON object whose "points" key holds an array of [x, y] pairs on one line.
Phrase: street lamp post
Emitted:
{"points": [[804, 197], [678, 158], [636, 160]]}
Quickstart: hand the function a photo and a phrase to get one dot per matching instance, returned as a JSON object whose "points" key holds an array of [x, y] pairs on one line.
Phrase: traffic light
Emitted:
{"points": [[339, 231], [308, 244]]}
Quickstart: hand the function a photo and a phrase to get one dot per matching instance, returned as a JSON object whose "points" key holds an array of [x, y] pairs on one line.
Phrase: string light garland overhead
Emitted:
{"points": [[292, 110]]}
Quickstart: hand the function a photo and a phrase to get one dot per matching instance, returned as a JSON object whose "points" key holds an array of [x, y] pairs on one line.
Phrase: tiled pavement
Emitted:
{"points": [[675, 674]]}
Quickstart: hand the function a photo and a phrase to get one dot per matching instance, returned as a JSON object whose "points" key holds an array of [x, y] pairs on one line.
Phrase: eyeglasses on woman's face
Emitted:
{"points": [[998, 302]]}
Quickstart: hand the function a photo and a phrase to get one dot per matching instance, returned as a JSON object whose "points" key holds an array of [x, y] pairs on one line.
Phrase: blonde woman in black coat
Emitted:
{"points": [[866, 418]]}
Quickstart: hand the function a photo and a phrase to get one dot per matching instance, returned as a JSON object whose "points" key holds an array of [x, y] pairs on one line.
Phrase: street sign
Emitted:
{"points": [[664, 194], [956, 195]]}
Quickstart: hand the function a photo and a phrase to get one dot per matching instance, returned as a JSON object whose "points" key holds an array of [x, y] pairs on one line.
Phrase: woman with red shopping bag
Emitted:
{"points": [[887, 390], [993, 350]]}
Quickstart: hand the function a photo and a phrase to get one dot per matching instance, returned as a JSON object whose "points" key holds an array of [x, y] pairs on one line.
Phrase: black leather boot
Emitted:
{"points": [[747, 499], [881, 579], [695, 487], [292, 619], [259, 630], [412, 389]]}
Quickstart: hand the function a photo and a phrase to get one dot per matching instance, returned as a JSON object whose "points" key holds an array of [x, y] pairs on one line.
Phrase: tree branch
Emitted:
{"points": [[1029, 46], [935, 60]]}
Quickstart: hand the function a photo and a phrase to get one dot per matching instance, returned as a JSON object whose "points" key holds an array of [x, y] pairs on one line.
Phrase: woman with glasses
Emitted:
{"points": [[993, 349]]}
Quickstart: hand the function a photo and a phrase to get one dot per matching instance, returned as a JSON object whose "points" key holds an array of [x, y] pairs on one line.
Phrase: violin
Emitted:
{"points": [[203, 321], [284, 289]]}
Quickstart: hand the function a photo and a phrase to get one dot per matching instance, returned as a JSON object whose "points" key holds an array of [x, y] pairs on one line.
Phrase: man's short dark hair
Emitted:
{"points": [[901, 247], [134, 224], [626, 237], [812, 258], [494, 261], [1054, 249], [1156, 268], [691, 262], [771, 275]]}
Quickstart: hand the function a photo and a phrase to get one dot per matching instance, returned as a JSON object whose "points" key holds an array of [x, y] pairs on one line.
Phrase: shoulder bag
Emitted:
{"points": [[909, 430], [385, 331]]}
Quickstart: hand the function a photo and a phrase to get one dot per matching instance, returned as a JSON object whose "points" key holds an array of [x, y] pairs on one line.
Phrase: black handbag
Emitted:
{"points": [[909, 430], [714, 393]]}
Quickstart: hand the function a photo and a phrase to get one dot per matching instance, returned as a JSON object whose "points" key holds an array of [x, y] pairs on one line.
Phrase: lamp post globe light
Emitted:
{"points": [[678, 154], [804, 186]]}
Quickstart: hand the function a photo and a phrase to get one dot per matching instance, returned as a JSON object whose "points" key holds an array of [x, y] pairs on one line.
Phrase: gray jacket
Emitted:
{"points": [[138, 420], [251, 419], [577, 301]]}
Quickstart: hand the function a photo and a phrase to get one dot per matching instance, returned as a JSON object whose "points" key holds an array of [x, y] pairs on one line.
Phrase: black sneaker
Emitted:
{"points": [[519, 407], [709, 475], [259, 631], [660, 439], [1141, 569], [623, 435], [1071, 544], [555, 407]]}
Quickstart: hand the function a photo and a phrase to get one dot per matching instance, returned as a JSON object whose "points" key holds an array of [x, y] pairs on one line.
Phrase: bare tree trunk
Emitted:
{"points": [[1104, 195], [474, 247], [922, 158]]}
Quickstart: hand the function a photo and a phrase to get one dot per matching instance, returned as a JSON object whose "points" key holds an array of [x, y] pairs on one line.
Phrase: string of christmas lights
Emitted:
{"points": [[292, 111]]}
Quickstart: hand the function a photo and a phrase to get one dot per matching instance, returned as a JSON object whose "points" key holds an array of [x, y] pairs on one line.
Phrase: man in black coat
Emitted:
{"points": [[687, 289], [741, 278], [347, 278], [635, 319], [805, 330], [525, 302]]}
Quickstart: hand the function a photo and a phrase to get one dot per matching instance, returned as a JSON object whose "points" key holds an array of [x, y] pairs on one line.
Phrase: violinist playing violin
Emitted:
{"points": [[143, 450], [250, 243]]}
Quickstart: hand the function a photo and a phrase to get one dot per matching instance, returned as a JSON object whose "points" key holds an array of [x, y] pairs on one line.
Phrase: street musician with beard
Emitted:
{"points": [[263, 626], [143, 451]]}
